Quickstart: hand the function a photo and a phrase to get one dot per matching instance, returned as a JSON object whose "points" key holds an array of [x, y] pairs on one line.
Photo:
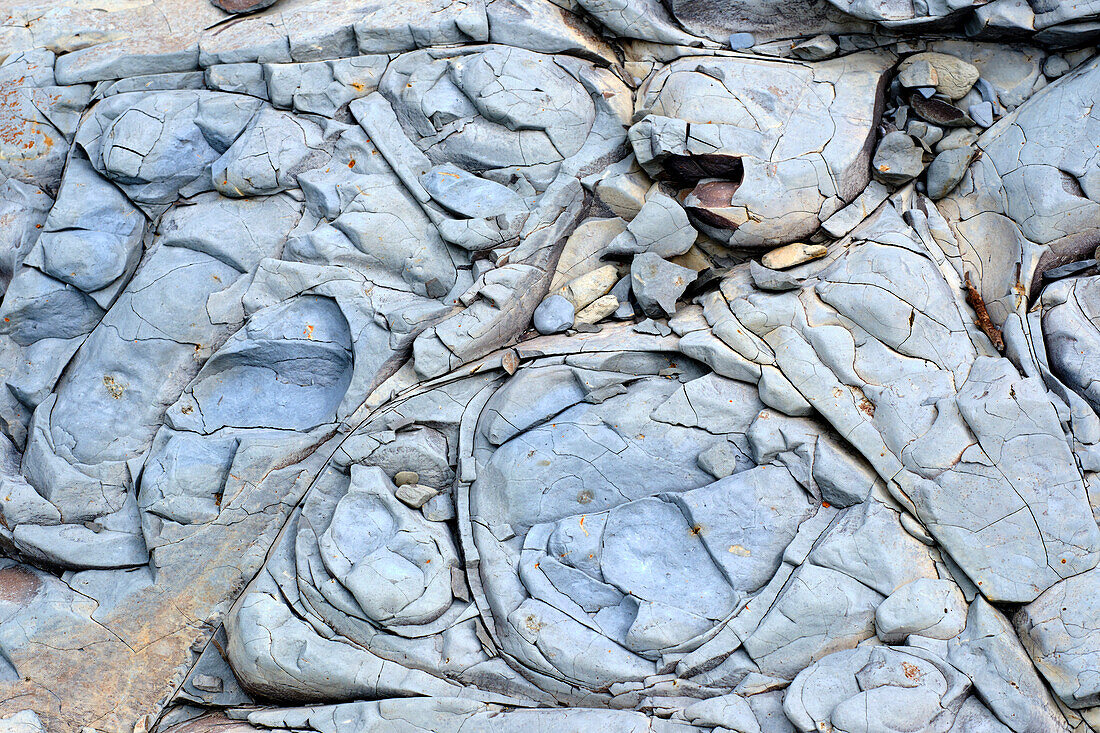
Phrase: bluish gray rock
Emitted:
{"points": [[554, 314], [657, 284], [277, 429]]}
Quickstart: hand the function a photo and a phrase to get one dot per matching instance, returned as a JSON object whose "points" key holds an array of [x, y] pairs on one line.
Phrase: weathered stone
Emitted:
{"points": [[897, 159], [658, 284], [254, 267], [951, 76], [554, 314], [791, 255]]}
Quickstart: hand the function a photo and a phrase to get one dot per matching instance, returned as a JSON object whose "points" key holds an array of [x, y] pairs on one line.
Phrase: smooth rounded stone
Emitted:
{"points": [[598, 309], [589, 287], [406, 477], [729, 712], [952, 76], [946, 170], [469, 195], [414, 494], [242, 6], [938, 112], [926, 607], [788, 256], [981, 113], [657, 284], [554, 314], [1055, 66], [1010, 73], [898, 159], [741, 41]]}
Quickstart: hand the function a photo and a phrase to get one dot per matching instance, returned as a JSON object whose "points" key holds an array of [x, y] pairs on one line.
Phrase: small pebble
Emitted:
{"points": [[981, 113], [554, 315], [406, 477], [741, 41], [1055, 66]]}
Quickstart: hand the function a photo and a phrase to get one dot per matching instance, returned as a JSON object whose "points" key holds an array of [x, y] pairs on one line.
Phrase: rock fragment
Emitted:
{"points": [[950, 75], [658, 284], [790, 255], [554, 314], [897, 159]]}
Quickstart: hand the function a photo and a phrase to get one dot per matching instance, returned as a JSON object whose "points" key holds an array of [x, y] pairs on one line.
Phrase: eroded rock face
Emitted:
{"points": [[511, 365]]}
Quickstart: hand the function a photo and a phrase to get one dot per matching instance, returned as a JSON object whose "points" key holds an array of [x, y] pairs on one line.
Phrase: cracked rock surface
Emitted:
{"points": [[511, 365]]}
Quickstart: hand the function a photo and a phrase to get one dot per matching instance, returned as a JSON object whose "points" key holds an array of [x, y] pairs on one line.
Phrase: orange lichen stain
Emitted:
{"points": [[308, 332], [113, 388], [351, 163]]}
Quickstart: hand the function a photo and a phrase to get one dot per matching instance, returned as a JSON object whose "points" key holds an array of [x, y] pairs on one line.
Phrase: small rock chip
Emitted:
{"points": [[657, 284], [719, 460], [741, 41], [1055, 66], [406, 477], [554, 314], [898, 159], [1070, 270], [954, 77], [816, 49], [207, 683], [790, 255], [926, 133], [947, 170], [415, 495], [986, 91], [981, 113], [509, 360]]}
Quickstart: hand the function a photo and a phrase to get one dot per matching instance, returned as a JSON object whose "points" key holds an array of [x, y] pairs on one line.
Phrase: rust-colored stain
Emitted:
{"points": [[18, 585], [975, 301]]}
